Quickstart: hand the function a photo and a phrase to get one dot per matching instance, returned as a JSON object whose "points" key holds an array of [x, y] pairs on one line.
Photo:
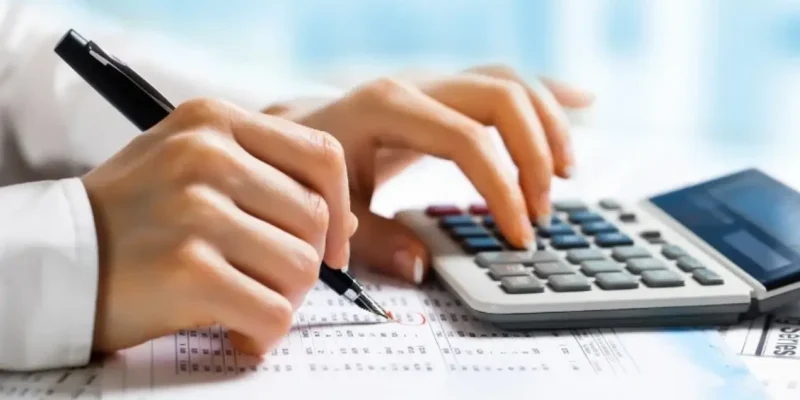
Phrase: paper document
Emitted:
{"points": [[770, 346], [437, 349], [79, 383]]}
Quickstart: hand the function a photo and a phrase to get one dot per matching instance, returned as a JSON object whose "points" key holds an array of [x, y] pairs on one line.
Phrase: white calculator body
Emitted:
{"points": [[711, 253]]}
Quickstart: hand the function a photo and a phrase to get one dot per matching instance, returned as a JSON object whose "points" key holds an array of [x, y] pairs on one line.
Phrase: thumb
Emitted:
{"points": [[390, 248]]}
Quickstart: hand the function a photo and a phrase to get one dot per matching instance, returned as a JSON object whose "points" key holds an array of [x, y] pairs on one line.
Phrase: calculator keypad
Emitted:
{"points": [[580, 251]]}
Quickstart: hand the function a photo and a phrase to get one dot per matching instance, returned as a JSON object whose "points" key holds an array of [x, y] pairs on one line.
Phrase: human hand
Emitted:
{"points": [[216, 215], [387, 124]]}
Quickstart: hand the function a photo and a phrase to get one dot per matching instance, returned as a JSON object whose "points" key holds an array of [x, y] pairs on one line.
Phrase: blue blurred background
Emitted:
{"points": [[727, 70]]}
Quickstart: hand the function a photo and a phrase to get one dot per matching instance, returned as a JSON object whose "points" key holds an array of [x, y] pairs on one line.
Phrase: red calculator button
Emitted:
{"points": [[478, 209], [442, 210]]}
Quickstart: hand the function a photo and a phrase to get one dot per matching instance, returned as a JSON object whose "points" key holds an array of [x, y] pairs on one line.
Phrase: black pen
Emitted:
{"points": [[141, 104]]}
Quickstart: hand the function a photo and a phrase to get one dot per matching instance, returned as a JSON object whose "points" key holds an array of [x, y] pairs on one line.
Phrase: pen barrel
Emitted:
{"points": [[128, 98], [337, 280]]}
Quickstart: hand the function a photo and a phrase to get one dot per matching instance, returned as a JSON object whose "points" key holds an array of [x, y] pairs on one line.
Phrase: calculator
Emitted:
{"points": [[711, 253]]}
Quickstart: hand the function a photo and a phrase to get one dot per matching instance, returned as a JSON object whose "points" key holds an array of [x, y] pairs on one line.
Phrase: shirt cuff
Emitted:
{"points": [[48, 275]]}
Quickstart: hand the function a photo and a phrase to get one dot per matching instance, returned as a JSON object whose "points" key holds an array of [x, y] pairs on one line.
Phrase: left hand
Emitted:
{"points": [[387, 124]]}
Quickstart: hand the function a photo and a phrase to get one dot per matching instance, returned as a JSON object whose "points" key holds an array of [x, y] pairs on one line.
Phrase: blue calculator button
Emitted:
{"points": [[582, 217], [488, 221], [481, 244], [555, 230], [612, 239], [568, 242], [593, 228], [469, 231], [456, 220]]}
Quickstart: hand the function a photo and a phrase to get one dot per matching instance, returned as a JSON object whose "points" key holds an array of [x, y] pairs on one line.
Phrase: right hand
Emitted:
{"points": [[216, 215]]}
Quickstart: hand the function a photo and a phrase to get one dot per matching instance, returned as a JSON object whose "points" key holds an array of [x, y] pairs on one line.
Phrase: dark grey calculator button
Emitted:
{"points": [[616, 281], [705, 276], [500, 271], [544, 270], [569, 283], [626, 253], [689, 264], [650, 235], [500, 257], [521, 284], [610, 204], [657, 241], [627, 217], [639, 265], [658, 278], [672, 251], [577, 256], [543, 256], [594, 267], [570, 206]]}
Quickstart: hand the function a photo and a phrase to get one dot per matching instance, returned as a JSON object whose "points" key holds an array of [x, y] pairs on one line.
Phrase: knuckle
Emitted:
{"points": [[196, 207], [306, 261], [385, 90], [513, 92], [331, 152], [193, 153], [282, 314], [474, 137], [201, 111], [318, 213]]}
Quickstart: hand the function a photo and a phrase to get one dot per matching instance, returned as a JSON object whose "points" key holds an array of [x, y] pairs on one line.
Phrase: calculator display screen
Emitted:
{"points": [[749, 217]]}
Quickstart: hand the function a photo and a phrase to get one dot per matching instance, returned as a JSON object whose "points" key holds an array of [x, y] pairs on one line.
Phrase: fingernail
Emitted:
{"points": [[531, 246], [353, 224], [569, 171], [417, 270], [406, 262], [346, 268], [544, 221]]}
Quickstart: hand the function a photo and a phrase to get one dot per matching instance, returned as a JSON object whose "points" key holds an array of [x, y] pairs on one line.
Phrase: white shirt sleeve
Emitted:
{"points": [[55, 126]]}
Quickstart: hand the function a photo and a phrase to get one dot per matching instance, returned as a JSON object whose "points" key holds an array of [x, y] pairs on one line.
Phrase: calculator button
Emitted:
{"points": [[503, 257], [461, 232], [578, 256], [612, 239], [544, 270], [543, 256], [672, 251], [478, 209], [609, 204], [626, 253], [593, 228], [479, 244], [568, 242], [555, 230], [539, 244], [657, 241], [616, 281], [569, 283], [594, 267], [442, 210], [456, 220], [649, 235], [582, 217], [500, 271], [570, 206], [639, 265], [689, 264], [705, 276], [488, 221], [661, 278], [627, 217], [521, 284]]}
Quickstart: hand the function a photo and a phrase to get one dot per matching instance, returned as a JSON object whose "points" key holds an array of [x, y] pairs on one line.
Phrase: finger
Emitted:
{"points": [[257, 316], [550, 112], [266, 193], [567, 95], [506, 105], [312, 157], [398, 253], [402, 116], [271, 256]]}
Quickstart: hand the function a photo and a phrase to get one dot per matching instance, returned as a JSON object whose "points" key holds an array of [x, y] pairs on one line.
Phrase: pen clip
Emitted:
{"points": [[109, 60]]}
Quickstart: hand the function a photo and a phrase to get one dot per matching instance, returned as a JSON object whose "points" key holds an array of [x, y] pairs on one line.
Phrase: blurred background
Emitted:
{"points": [[725, 73]]}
